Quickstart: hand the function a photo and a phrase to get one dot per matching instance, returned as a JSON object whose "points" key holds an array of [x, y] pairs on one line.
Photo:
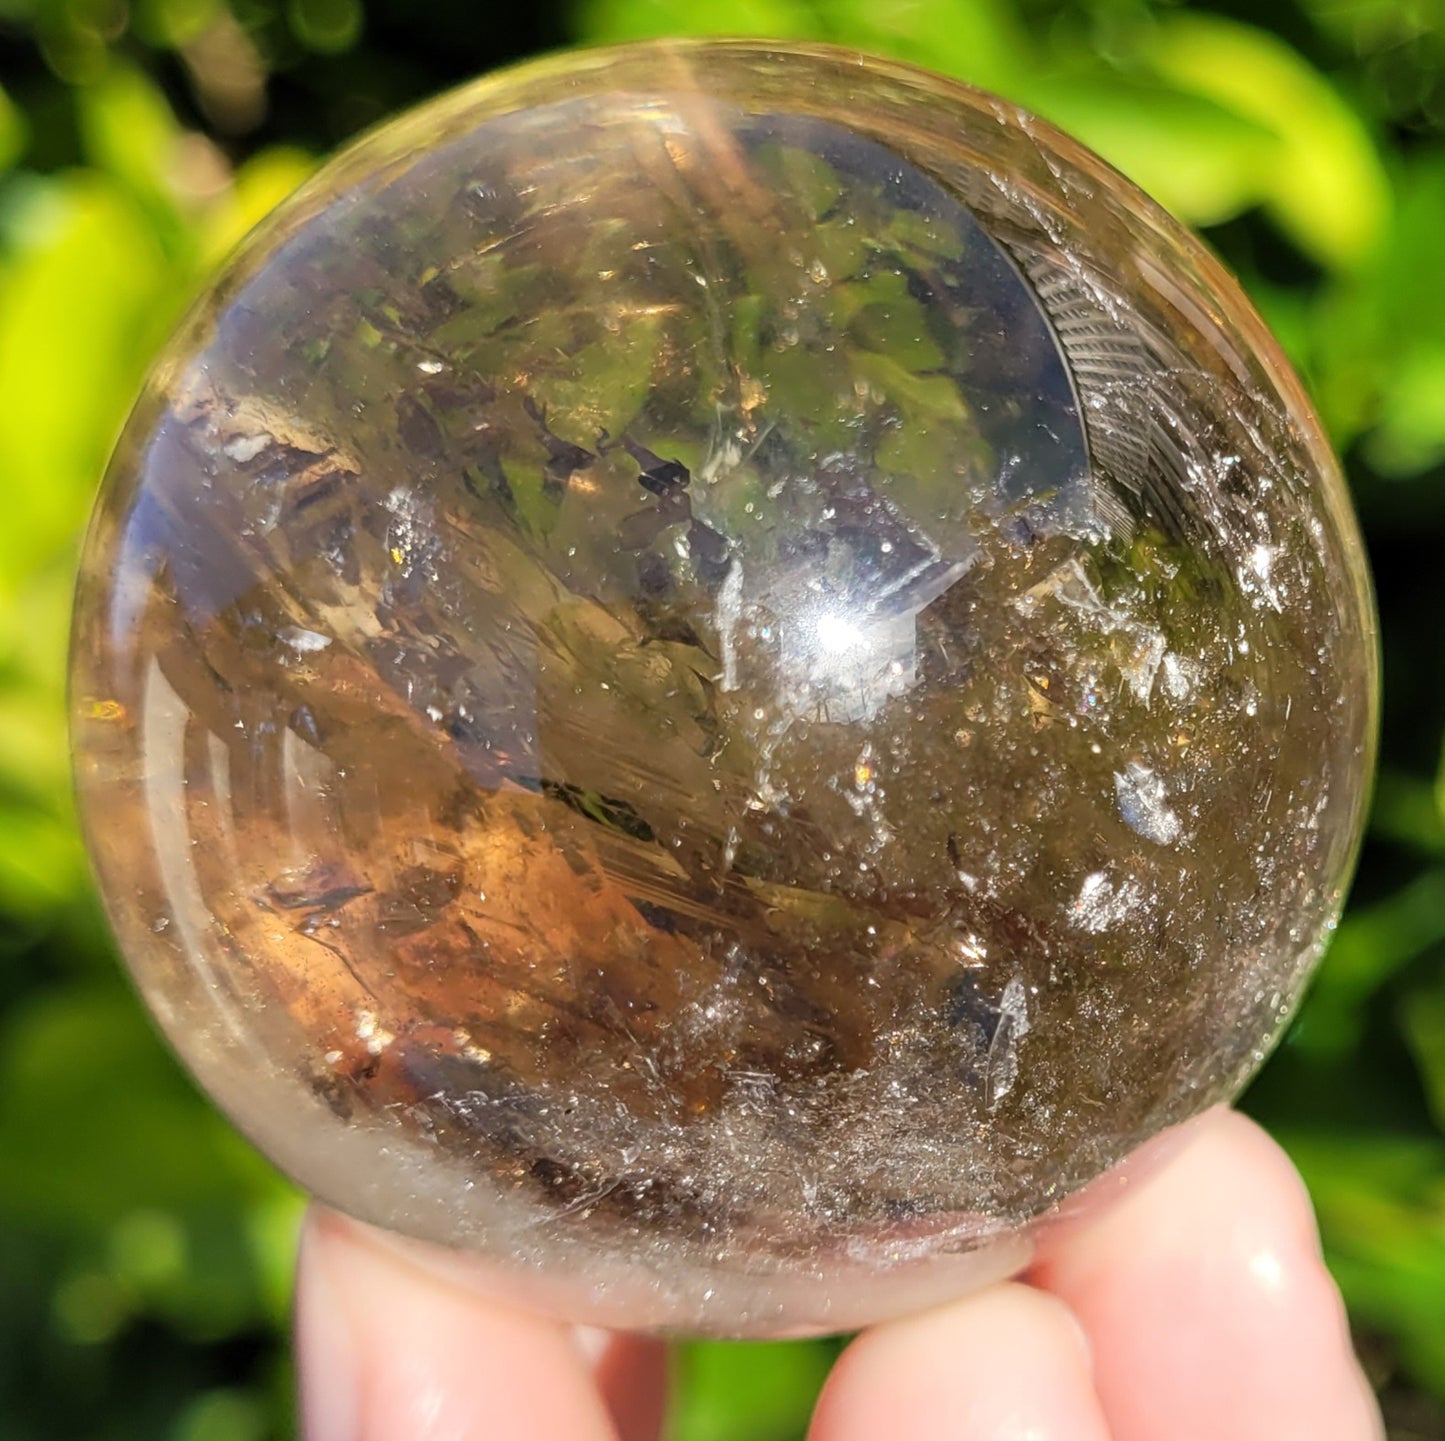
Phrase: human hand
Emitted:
{"points": [[1194, 1308]]}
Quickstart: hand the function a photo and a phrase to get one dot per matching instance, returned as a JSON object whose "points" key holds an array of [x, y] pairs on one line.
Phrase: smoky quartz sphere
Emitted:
{"points": [[716, 674]]}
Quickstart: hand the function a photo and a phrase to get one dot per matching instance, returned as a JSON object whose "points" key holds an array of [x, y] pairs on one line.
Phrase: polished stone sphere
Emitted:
{"points": [[718, 673]]}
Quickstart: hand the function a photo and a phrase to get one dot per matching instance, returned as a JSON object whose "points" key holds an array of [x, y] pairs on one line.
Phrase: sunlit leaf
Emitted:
{"points": [[41, 865], [257, 188], [272, 1229], [129, 130], [763, 1392], [981, 41], [640, 19], [1204, 162], [1375, 346], [1327, 187], [1411, 424], [34, 623], [81, 305]]}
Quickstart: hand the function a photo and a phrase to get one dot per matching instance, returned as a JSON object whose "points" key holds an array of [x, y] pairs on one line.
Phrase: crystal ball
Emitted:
{"points": [[716, 674]]}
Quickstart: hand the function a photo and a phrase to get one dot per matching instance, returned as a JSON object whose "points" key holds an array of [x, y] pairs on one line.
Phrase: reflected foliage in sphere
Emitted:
{"points": [[720, 675]]}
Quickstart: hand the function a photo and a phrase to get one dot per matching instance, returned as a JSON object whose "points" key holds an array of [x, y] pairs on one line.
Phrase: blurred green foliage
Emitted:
{"points": [[144, 1249]]}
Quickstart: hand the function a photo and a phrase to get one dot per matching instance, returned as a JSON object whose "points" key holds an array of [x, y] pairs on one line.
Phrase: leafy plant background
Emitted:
{"points": [[144, 1248]]}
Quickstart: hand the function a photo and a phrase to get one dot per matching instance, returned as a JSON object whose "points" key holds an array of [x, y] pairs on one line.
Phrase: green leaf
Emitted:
{"points": [[1410, 436], [613, 20], [1423, 1022], [808, 386], [605, 383], [1375, 336], [13, 130], [1364, 26], [328, 26], [1381, 1204], [83, 301], [42, 866], [170, 24], [885, 319], [228, 1414], [980, 41], [1409, 811], [96, 1120], [1197, 158], [256, 189], [1370, 947], [1327, 188], [1440, 785], [128, 130], [34, 627], [924, 400], [806, 179], [760, 1391]]}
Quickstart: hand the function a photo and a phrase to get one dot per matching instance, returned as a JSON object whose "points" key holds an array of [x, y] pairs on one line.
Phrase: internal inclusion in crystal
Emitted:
{"points": [[717, 682]]}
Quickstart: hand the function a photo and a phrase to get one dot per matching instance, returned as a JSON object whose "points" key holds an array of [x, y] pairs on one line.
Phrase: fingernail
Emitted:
{"points": [[326, 1350]]}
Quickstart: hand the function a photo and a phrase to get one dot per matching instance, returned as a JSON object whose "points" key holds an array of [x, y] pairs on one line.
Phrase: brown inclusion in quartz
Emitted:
{"points": [[730, 668]]}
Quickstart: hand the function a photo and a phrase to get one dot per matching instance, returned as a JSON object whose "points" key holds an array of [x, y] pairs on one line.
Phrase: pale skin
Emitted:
{"points": [[1194, 1308]]}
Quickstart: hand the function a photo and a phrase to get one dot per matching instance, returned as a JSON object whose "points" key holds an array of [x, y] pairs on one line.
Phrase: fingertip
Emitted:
{"points": [[1008, 1362]]}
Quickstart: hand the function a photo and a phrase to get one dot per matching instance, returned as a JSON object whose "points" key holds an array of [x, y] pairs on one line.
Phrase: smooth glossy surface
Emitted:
{"points": [[721, 674]]}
